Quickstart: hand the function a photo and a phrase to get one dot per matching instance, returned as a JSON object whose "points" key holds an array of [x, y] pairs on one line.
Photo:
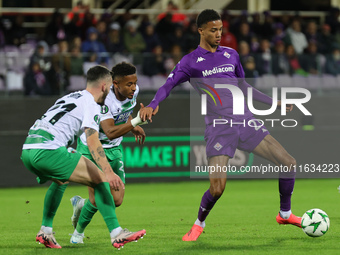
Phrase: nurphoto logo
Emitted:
{"points": [[227, 100]]}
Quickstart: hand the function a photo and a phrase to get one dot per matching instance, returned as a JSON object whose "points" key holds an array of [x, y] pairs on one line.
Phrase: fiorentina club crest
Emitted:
{"points": [[218, 146], [226, 54]]}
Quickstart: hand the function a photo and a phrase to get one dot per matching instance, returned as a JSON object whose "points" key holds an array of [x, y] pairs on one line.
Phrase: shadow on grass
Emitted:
{"points": [[270, 246]]}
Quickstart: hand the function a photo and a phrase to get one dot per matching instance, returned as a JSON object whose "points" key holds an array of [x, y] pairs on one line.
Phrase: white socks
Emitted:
{"points": [[200, 223], [77, 233], [46, 230], [115, 232], [285, 214]]}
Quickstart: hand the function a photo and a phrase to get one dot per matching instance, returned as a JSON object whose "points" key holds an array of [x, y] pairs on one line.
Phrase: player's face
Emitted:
{"points": [[211, 33], [125, 86]]}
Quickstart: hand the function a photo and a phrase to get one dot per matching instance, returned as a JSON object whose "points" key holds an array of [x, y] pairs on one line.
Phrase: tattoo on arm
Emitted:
{"points": [[89, 132], [101, 152], [97, 153], [97, 157]]}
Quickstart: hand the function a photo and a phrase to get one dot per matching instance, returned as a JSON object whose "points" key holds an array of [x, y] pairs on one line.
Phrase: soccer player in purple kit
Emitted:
{"points": [[210, 60]]}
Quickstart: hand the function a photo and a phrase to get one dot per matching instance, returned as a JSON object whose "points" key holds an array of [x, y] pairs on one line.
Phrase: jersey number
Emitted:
{"points": [[65, 108]]}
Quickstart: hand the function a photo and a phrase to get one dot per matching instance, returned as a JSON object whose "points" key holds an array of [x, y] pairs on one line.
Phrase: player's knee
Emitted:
{"points": [[291, 162], [217, 190], [118, 202]]}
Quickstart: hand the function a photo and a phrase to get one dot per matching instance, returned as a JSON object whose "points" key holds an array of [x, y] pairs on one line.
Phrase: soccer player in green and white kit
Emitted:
{"points": [[45, 154], [116, 121]]}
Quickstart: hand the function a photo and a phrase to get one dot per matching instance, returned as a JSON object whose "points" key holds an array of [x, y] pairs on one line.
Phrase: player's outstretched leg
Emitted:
{"points": [[52, 200], [210, 197], [286, 186], [272, 150], [47, 239], [207, 203], [89, 174], [126, 236]]}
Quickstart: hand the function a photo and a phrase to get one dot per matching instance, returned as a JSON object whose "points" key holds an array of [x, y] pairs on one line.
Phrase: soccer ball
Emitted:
{"points": [[315, 222]]}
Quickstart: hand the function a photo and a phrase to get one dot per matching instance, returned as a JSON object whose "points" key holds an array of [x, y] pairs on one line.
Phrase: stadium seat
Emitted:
{"points": [[144, 82], [284, 80], [299, 81], [258, 83], [11, 48], [329, 81], [14, 81], [314, 82], [269, 81], [118, 58], [158, 81], [27, 49], [23, 60], [11, 56], [88, 65], [77, 82]]}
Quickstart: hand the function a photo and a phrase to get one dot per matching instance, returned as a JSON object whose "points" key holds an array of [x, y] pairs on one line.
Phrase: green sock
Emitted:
{"points": [[86, 216], [52, 200], [105, 205]]}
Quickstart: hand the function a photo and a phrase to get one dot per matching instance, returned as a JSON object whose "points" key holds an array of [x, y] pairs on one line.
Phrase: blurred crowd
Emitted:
{"points": [[73, 43]]}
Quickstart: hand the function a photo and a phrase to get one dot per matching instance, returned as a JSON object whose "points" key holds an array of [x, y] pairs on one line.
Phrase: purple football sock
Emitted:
{"points": [[286, 186], [207, 203]]}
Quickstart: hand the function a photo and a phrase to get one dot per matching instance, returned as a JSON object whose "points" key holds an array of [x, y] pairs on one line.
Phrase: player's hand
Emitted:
{"points": [[146, 113], [139, 134], [138, 120], [114, 181], [289, 107], [155, 111]]}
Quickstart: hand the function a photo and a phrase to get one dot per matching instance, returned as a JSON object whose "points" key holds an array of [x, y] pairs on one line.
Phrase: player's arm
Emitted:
{"points": [[98, 154], [113, 131]]}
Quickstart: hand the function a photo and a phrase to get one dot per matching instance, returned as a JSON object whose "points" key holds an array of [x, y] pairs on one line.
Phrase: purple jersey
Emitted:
{"points": [[209, 66]]}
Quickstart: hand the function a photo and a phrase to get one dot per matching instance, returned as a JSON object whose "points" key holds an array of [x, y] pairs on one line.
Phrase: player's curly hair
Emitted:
{"points": [[123, 69], [206, 16]]}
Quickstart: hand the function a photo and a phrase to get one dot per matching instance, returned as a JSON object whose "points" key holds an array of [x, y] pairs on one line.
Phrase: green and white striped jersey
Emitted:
{"points": [[64, 121], [117, 110]]}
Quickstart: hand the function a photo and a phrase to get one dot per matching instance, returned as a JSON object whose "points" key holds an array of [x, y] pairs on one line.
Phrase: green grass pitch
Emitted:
{"points": [[242, 221]]}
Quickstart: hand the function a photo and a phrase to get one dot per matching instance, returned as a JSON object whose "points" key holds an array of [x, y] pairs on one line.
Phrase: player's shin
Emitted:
{"points": [[105, 205], [52, 200], [86, 216], [207, 203], [286, 187]]}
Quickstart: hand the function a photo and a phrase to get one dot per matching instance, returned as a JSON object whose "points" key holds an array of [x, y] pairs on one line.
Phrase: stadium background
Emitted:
{"points": [[165, 156]]}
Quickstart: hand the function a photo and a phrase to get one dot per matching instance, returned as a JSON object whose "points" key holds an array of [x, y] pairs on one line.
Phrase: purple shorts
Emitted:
{"points": [[224, 139]]}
